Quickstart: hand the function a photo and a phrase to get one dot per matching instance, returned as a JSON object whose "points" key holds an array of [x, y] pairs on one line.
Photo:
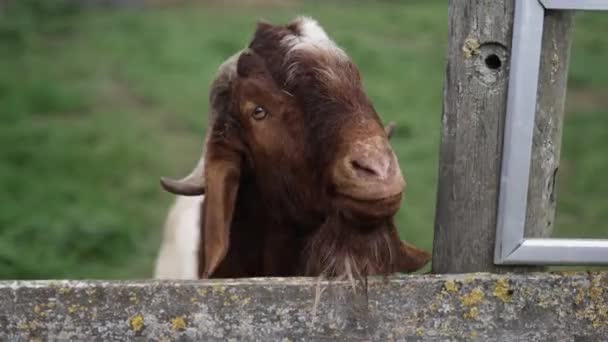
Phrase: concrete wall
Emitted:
{"points": [[471, 307]]}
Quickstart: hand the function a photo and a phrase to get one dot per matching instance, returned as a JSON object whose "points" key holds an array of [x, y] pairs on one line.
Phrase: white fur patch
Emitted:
{"points": [[312, 37], [178, 256], [310, 28]]}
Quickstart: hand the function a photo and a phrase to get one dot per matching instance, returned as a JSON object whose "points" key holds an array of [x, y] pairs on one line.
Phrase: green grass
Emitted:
{"points": [[95, 108]]}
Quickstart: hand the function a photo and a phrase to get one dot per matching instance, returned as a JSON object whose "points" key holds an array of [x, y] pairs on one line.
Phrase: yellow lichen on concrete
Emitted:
{"points": [[596, 310], [501, 290], [451, 286], [76, 307], [220, 289], [441, 296], [475, 297], [31, 325], [589, 314], [64, 290], [202, 291], [178, 323], [472, 313], [40, 309], [133, 298], [580, 296], [595, 293], [470, 47], [419, 332], [473, 333], [598, 300], [136, 323]]}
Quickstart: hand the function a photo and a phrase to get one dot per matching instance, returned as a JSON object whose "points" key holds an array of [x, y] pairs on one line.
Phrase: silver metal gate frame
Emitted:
{"points": [[512, 247]]}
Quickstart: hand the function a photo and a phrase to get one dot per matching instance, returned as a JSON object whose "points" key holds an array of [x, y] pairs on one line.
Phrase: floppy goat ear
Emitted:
{"points": [[409, 258], [412, 258], [217, 175], [222, 175]]}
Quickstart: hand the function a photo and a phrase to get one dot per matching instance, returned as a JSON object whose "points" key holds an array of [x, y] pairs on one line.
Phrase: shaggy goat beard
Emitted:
{"points": [[344, 250]]}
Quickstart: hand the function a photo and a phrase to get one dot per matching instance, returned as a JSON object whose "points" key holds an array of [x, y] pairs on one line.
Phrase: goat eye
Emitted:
{"points": [[259, 113]]}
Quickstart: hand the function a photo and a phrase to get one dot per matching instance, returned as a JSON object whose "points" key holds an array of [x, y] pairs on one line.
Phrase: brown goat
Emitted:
{"points": [[298, 174]]}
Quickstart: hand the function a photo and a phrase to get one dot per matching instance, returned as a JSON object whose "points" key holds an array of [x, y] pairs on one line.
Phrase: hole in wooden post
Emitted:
{"points": [[493, 61], [491, 64]]}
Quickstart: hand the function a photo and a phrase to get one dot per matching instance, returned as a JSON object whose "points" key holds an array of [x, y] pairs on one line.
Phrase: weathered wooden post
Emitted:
{"points": [[475, 97]]}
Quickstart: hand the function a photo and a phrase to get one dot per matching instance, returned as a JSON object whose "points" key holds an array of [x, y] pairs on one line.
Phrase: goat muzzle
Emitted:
{"points": [[369, 171]]}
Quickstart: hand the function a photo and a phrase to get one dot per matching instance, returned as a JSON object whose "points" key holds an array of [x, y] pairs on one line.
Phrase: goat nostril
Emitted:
{"points": [[361, 168]]}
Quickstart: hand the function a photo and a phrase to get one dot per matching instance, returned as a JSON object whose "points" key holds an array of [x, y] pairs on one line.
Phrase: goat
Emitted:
{"points": [[178, 255], [297, 172], [178, 258]]}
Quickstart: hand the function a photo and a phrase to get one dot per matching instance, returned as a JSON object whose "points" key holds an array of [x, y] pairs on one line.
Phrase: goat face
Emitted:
{"points": [[341, 128], [359, 180], [295, 149]]}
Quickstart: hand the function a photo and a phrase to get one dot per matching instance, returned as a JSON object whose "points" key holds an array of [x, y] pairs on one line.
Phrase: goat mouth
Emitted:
{"points": [[370, 207]]}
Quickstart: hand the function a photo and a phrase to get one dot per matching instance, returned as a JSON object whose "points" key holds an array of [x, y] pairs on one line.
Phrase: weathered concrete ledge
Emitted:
{"points": [[471, 307]]}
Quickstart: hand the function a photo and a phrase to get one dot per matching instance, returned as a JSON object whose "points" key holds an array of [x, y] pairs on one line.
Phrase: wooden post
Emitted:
{"points": [[547, 138], [475, 98]]}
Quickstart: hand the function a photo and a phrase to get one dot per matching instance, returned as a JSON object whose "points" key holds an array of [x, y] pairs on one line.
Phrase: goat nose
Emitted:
{"points": [[370, 166], [372, 161], [369, 170]]}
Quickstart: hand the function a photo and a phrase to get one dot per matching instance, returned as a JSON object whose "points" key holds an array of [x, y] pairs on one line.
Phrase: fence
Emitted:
{"points": [[504, 303]]}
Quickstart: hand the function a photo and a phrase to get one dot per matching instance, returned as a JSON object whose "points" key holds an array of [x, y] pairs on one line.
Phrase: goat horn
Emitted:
{"points": [[194, 183], [191, 185], [390, 129]]}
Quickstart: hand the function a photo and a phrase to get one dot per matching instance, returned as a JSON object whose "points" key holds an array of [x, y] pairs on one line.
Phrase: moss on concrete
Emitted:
{"points": [[481, 307]]}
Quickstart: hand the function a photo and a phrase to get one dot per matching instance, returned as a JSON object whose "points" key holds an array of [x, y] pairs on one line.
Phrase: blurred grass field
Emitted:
{"points": [[96, 106]]}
